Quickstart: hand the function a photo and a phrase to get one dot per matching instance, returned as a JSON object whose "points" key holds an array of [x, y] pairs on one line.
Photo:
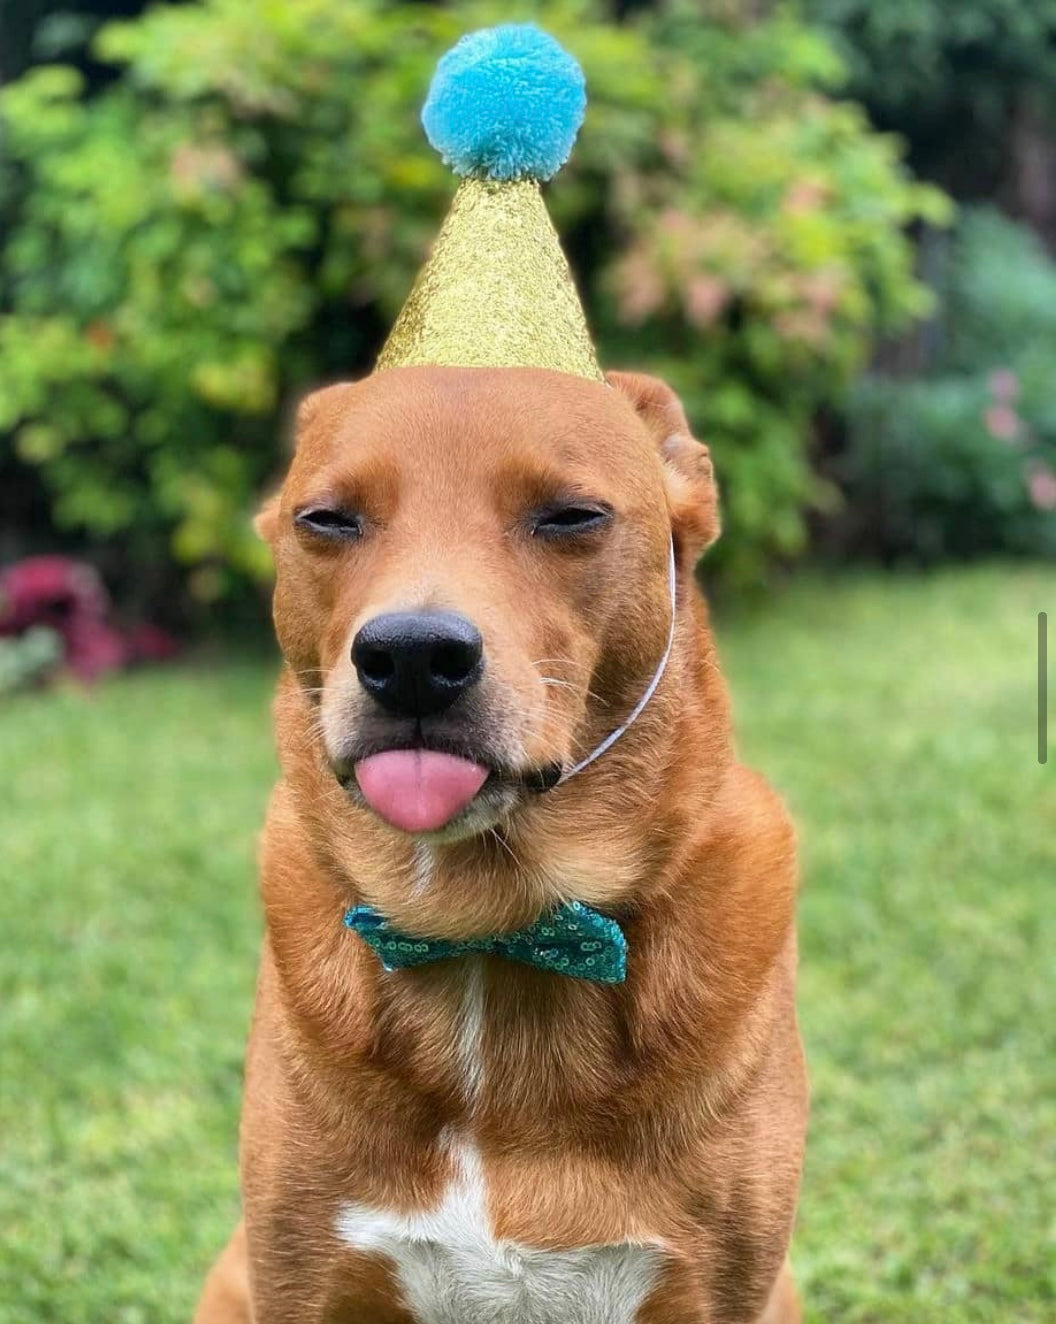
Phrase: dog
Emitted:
{"points": [[480, 574]]}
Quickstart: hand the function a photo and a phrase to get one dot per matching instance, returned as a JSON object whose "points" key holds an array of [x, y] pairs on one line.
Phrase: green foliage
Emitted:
{"points": [[948, 75], [929, 478], [241, 214], [763, 254], [999, 300], [907, 48], [912, 52], [964, 462]]}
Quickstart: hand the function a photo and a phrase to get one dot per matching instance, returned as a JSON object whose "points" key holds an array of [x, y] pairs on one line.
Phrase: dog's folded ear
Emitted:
{"points": [[312, 410], [266, 520], [691, 491], [315, 406]]}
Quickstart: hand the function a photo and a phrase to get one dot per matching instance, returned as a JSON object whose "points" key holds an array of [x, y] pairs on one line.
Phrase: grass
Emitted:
{"points": [[897, 716]]}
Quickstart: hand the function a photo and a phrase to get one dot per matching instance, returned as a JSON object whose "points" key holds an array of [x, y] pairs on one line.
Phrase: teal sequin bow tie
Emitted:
{"points": [[573, 940]]}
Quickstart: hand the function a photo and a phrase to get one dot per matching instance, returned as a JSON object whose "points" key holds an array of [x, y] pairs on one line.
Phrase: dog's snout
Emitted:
{"points": [[418, 663]]}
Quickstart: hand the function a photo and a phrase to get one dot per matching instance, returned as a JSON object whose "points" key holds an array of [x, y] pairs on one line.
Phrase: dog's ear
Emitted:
{"points": [[314, 407], [310, 410], [266, 520], [691, 492]]}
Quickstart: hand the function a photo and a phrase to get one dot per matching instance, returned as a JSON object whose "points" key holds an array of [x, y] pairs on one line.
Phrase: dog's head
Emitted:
{"points": [[473, 578]]}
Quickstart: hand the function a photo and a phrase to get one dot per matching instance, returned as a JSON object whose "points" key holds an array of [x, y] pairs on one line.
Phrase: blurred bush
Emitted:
{"points": [[911, 56], [55, 617], [963, 461], [240, 215], [965, 83]]}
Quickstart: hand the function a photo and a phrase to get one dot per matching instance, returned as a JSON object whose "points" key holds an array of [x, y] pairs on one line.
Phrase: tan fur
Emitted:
{"points": [[669, 1108]]}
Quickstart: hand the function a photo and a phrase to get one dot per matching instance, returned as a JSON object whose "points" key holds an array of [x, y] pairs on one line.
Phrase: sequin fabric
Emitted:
{"points": [[573, 940], [496, 291]]}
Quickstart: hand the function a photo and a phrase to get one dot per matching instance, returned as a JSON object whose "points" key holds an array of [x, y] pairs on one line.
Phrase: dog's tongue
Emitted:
{"points": [[418, 790]]}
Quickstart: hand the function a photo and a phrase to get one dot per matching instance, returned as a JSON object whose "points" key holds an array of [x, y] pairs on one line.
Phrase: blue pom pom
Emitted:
{"points": [[505, 103]]}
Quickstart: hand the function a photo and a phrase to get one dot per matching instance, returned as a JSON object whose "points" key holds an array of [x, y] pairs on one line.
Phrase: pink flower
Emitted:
{"points": [[804, 196], [706, 297], [1004, 386], [640, 287], [146, 643], [1002, 422], [1041, 484], [68, 598], [46, 590], [93, 648]]}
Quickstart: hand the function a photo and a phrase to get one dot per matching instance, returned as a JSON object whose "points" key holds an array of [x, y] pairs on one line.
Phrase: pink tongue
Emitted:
{"points": [[418, 790]]}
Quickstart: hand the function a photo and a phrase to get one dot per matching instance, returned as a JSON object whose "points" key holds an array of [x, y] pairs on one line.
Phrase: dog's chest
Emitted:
{"points": [[452, 1270]]}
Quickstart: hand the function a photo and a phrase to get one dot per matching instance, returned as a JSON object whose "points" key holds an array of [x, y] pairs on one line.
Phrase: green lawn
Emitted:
{"points": [[897, 715]]}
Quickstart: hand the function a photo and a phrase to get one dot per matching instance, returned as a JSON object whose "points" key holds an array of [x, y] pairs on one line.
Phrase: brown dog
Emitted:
{"points": [[474, 1139]]}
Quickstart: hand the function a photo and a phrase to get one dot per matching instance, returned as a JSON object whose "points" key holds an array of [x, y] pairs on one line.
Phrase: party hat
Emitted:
{"points": [[503, 111]]}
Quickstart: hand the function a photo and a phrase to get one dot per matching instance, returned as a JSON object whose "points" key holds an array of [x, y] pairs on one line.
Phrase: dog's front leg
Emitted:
{"points": [[676, 1298], [321, 1283], [679, 1299], [225, 1297], [783, 1306]]}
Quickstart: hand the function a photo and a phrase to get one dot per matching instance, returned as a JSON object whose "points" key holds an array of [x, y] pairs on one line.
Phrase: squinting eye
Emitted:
{"points": [[569, 521], [337, 525]]}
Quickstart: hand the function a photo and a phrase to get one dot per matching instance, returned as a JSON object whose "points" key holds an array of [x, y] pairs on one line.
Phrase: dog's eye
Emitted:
{"points": [[338, 525], [568, 521]]}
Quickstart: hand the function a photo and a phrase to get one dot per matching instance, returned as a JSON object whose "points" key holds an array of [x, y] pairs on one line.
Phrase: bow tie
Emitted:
{"points": [[572, 940]]}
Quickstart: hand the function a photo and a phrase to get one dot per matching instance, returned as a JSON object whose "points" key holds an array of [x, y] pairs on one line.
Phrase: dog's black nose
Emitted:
{"points": [[418, 662]]}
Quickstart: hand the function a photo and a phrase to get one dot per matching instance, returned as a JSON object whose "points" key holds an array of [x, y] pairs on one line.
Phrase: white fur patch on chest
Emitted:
{"points": [[452, 1270]]}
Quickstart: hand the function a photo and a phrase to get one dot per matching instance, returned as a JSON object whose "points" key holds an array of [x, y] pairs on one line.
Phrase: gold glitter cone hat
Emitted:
{"points": [[503, 111]]}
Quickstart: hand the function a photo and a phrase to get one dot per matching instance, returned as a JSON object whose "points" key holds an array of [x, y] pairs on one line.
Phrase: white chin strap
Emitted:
{"points": [[649, 690]]}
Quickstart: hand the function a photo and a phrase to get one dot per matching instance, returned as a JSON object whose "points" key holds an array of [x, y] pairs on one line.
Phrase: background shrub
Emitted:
{"points": [[999, 297], [929, 478], [240, 213], [963, 461], [971, 86]]}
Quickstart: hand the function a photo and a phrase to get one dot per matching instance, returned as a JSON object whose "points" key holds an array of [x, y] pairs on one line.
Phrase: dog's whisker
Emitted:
{"points": [[313, 673], [552, 680], [565, 684], [561, 662], [492, 832], [313, 734]]}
